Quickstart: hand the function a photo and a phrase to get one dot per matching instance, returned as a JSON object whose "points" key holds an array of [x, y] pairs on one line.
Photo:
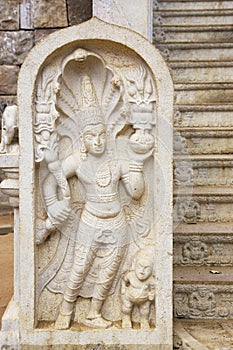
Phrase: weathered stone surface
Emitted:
{"points": [[133, 76], [26, 14], [14, 46], [50, 14], [8, 78], [203, 93], [203, 334], [9, 15], [41, 34], [121, 12], [202, 34], [79, 11]]}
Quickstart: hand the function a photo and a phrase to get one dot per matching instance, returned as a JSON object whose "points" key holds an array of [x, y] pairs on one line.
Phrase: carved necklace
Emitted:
{"points": [[103, 177]]}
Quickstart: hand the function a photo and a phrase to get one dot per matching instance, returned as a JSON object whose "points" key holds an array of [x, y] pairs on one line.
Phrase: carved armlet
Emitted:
{"points": [[136, 167]]}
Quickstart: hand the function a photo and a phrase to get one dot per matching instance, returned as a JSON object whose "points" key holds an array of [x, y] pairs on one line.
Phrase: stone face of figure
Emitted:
{"points": [[143, 269], [94, 138]]}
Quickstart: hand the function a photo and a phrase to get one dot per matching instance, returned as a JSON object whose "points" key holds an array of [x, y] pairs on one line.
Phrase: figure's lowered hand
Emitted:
{"points": [[59, 211]]}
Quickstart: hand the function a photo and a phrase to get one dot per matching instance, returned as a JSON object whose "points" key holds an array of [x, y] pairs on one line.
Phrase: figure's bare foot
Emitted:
{"points": [[145, 325], [98, 322], [65, 314], [126, 322], [63, 321]]}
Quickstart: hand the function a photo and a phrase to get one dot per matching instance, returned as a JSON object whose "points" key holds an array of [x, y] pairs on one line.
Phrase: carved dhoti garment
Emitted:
{"points": [[101, 244]]}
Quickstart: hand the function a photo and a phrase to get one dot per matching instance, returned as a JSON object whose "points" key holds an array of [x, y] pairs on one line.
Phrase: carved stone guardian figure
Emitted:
{"points": [[95, 190]]}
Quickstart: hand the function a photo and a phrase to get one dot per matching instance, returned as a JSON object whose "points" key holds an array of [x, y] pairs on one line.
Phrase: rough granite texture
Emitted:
{"points": [[15, 46], [46, 17], [9, 15], [8, 78], [79, 11]]}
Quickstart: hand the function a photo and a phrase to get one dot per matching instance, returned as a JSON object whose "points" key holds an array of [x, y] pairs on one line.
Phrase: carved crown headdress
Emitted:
{"points": [[86, 94], [90, 113]]}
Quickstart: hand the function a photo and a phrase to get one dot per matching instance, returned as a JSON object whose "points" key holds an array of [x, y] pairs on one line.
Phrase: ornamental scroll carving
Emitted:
{"points": [[94, 127]]}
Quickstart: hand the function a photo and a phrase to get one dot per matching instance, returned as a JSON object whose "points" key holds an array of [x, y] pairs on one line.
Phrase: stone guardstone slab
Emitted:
{"points": [[95, 219]]}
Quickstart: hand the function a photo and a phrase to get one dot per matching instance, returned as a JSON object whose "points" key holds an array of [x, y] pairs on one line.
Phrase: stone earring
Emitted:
{"points": [[83, 151]]}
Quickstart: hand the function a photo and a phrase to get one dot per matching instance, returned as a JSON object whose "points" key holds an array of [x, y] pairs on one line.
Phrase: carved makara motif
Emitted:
{"points": [[93, 130]]}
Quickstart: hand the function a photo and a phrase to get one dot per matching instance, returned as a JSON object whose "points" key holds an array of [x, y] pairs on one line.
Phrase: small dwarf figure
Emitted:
{"points": [[138, 288]]}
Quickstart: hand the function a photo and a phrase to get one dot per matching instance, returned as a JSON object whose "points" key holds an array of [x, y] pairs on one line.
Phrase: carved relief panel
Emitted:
{"points": [[95, 117], [101, 186]]}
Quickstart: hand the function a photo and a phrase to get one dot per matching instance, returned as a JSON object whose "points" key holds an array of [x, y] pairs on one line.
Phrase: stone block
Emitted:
{"points": [[8, 78], [14, 46], [79, 11], [121, 12], [9, 15], [50, 14], [26, 14], [42, 33]]}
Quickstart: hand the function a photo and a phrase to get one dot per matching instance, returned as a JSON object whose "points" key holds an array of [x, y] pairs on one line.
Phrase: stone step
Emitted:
{"points": [[184, 5], [192, 34], [190, 208], [203, 334], [205, 94], [197, 52], [203, 292], [201, 17], [6, 222], [203, 250], [212, 180], [204, 191], [200, 141], [208, 74], [203, 116], [205, 157], [5, 209], [214, 116], [204, 228]]}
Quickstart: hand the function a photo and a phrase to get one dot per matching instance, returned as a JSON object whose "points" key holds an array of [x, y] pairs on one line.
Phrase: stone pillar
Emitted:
{"points": [[136, 15], [9, 164]]}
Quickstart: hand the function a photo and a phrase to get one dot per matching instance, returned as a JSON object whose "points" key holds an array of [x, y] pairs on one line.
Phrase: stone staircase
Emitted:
{"points": [[196, 40]]}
